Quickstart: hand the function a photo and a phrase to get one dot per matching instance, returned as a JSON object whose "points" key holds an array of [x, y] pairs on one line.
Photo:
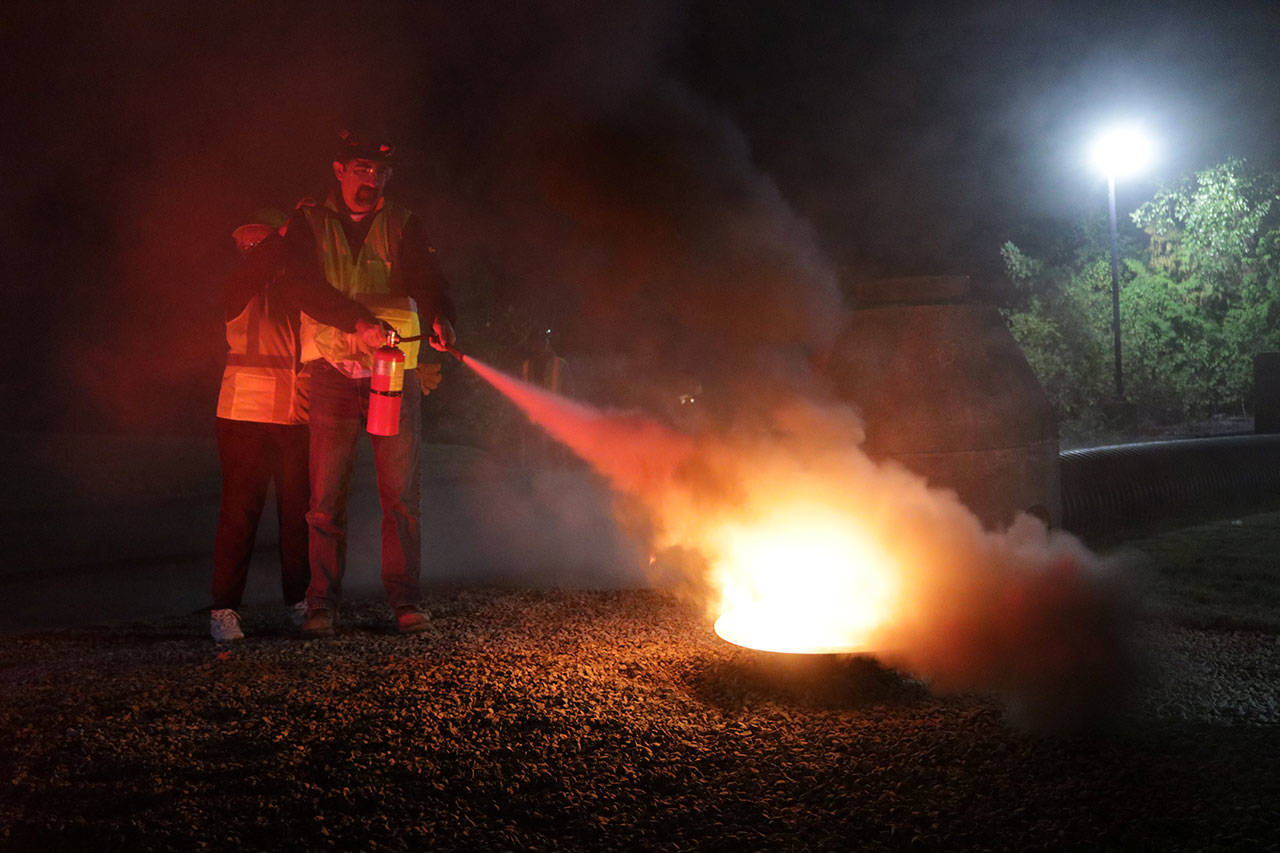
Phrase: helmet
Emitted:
{"points": [[263, 223], [362, 146]]}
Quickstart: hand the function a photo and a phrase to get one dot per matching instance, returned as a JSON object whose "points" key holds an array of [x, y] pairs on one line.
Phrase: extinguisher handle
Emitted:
{"points": [[431, 338]]}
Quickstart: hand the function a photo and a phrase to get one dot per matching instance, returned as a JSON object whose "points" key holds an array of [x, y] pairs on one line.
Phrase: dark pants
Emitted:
{"points": [[254, 456], [339, 407]]}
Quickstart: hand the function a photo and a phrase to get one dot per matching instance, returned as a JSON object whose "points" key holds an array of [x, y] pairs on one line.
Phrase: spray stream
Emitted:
{"points": [[639, 455]]}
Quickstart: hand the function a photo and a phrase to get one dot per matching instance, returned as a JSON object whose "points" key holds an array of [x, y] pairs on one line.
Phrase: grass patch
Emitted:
{"points": [[1225, 574]]}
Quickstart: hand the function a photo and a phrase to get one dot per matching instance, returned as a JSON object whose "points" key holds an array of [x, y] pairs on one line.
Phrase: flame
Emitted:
{"points": [[803, 579]]}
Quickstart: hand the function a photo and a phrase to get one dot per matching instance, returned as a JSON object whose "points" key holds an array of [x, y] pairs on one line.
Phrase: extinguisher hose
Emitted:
{"points": [[427, 336]]}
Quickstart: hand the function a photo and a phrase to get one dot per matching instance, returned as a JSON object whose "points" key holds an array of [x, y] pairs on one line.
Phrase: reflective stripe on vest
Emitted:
{"points": [[260, 382], [368, 277], [276, 361]]}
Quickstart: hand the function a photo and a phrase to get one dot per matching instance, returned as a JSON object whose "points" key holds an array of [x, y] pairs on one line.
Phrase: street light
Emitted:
{"points": [[1119, 153]]}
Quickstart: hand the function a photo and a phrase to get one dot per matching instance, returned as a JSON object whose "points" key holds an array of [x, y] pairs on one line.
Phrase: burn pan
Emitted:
{"points": [[834, 680]]}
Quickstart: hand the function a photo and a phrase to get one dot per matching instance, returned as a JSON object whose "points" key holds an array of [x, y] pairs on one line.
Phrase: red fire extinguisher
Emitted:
{"points": [[386, 387]]}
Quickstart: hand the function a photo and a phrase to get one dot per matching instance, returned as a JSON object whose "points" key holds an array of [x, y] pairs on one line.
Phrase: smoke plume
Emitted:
{"points": [[1028, 613]]}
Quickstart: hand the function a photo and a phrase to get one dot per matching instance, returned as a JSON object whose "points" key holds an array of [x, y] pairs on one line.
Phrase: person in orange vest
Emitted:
{"points": [[376, 252], [261, 424]]}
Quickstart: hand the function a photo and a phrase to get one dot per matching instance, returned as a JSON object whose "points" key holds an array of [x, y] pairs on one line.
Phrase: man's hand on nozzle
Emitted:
{"points": [[442, 334], [373, 335]]}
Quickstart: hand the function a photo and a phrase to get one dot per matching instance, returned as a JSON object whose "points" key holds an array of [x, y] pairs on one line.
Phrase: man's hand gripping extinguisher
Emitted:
{"points": [[386, 388]]}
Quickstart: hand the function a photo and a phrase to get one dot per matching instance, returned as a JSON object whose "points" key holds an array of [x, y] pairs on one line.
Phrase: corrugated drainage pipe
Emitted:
{"points": [[1130, 489]]}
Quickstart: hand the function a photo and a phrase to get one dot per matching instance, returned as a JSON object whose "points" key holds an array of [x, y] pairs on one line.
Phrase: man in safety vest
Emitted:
{"points": [[376, 252], [262, 416]]}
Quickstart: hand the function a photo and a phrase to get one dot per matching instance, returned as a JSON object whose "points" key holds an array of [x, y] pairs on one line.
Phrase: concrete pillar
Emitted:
{"points": [[1266, 392]]}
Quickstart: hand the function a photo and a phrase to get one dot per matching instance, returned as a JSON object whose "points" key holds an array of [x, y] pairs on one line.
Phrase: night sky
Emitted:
{"points": [[709, 175]]}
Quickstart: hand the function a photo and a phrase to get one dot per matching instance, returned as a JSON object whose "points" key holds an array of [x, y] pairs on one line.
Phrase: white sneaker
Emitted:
{"points": [[298, 613], [224, 626]]}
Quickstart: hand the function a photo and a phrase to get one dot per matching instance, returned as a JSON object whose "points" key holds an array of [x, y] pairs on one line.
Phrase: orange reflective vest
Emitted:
{"points": [[367, 277], [261, 380]]}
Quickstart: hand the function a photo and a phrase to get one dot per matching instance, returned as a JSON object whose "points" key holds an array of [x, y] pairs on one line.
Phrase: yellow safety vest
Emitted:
{"points": [[261, 381], [367, 278]]}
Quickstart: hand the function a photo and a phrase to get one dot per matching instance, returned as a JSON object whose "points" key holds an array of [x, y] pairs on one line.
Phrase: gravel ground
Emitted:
{"points": [[599, 721]]}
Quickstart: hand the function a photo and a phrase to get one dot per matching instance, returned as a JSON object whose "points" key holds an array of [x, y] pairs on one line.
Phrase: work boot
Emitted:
{"points": [[412, 619], [224, 626], [297, 613], [319, 623]]}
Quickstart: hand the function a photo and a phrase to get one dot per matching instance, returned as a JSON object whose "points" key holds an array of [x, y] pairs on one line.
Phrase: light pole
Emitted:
{"points": [[1119, 152], [1115, 283]]}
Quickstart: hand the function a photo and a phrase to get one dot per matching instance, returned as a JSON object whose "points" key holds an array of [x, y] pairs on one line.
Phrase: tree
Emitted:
{"points": [[1195, 306], [1209, 227], [1060, 318], [1214, 261]]}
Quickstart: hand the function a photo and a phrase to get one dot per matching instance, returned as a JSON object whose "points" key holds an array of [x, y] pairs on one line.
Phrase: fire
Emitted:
{"points": [[808, 546], [793, 569], [804, 579]]}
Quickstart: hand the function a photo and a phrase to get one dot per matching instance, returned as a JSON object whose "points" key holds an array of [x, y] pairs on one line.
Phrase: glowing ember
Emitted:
{"points": [[804, 580]]}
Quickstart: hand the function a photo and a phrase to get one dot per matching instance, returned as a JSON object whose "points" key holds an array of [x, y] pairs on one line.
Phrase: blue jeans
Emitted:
{"points": [[339, 407]]}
